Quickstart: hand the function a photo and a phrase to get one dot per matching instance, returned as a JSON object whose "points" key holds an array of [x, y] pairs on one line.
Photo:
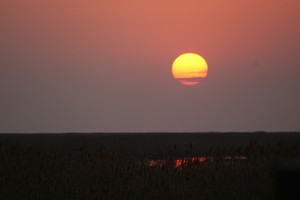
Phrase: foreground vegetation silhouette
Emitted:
{"points": [[39, 172]]}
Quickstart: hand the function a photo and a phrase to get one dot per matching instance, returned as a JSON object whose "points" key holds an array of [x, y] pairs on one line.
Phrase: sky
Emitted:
{"points": [[105, 66]]}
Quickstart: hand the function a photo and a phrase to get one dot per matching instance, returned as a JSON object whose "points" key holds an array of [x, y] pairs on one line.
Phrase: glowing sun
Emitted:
{"points": [[189, 68]]}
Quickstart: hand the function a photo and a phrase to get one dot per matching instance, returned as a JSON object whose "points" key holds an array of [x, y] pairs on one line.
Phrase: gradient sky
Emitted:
{"points": [[105, 66]]}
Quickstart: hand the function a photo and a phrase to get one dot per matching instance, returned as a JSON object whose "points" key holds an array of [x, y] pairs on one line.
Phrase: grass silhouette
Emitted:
{"points": [[44, 172]]}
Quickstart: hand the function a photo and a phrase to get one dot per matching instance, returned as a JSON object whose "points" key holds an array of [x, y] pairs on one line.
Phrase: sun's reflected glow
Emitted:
{"points": [[181, 162]]}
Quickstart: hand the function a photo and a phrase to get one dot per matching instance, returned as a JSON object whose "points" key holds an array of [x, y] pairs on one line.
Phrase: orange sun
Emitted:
{"points": [[189, 68]]}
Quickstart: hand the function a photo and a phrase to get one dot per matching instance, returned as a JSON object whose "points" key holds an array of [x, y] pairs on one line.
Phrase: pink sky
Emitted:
{"points": [[88, 65]]}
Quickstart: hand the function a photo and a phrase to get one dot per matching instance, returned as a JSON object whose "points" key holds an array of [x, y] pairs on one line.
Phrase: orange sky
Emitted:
{"points": [[88, 65]]}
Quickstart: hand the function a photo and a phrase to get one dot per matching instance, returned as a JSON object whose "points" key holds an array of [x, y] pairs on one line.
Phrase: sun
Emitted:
{"points": [[189, 69]]}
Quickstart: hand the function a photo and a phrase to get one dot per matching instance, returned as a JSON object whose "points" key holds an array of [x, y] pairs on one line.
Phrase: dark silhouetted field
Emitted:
{"points": [[151, 143], [116, 166]]}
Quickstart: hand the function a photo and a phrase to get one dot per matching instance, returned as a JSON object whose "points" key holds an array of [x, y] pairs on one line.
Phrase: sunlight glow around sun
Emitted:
{"points": [[189, 69]]}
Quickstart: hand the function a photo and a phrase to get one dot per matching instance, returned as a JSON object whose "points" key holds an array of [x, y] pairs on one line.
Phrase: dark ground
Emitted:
{"points": [[115, 166], [153, 143]]}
